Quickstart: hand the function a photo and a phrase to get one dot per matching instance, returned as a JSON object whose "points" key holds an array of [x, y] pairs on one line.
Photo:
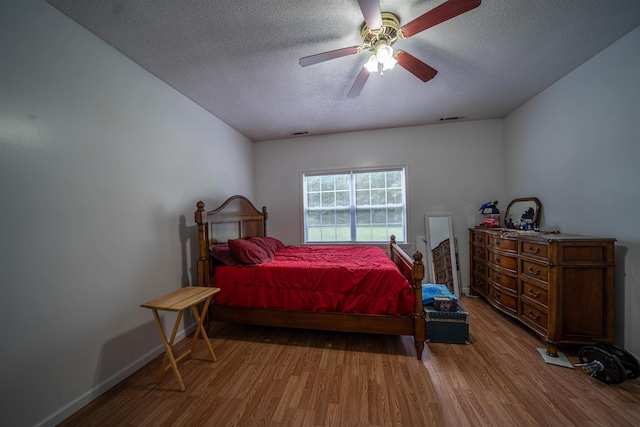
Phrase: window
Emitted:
{"points": [[355, 206]]}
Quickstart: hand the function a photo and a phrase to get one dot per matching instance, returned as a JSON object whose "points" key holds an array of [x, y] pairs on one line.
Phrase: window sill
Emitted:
{"points": [[383, 245]]}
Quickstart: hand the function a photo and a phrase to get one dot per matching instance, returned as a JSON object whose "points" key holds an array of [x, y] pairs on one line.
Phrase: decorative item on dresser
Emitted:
{"points": [[560, 286], [237, 219]]}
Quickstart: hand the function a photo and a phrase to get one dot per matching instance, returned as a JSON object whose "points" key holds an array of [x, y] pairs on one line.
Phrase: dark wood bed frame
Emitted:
{"points": [[238, 218]]}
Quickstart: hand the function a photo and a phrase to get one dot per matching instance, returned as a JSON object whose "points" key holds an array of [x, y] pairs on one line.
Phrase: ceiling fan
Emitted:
{"points": [[382, 30]]}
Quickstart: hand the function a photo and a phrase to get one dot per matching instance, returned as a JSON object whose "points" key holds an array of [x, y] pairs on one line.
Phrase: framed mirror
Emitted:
{"points": [[442, 262], [521, 211]]}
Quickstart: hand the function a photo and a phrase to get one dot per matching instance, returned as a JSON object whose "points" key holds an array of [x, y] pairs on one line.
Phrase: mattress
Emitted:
{"points": [[340, 279]]}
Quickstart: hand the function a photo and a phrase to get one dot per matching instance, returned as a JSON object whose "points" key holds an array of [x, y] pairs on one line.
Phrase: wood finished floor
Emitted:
{"points": [[288, 377]]}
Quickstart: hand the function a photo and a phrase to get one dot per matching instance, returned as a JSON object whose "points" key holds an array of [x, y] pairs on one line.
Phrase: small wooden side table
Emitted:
{"points": [[179, 301]]}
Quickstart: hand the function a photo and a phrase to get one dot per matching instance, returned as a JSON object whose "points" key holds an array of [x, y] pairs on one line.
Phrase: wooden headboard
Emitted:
{"points": [[236, 218]]}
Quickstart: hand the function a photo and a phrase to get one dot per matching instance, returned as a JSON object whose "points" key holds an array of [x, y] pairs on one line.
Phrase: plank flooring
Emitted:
{"points": [[288, 377]]}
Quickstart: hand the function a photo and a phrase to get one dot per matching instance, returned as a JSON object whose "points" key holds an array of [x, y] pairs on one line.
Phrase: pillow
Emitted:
{"points": [[263, 244], [429, 291], [248, 252], [222, 253], [274, 243]]}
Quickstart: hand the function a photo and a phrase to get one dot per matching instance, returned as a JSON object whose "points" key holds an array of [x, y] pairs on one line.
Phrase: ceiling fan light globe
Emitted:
{"points": [[389, 64], [384, 52], [372, 64]]}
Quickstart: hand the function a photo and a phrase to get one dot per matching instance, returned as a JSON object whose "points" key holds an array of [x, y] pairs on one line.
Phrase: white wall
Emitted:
{"points": [[452, 167], [101, 165], [576, 146]]}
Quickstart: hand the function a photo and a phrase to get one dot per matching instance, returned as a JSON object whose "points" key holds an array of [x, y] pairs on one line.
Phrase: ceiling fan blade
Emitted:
{"points": [[326, 56], [444, 12], [371, 12], [415, 66], [359, 83]]}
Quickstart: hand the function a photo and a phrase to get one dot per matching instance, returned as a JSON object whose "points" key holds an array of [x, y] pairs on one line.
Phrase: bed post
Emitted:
{"points": [[264, 222], [416, 270], [203, 256], [419, 330]]}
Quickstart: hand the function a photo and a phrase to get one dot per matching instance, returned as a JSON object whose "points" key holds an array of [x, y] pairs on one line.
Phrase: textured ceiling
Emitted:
{"points": [[239, 59]]}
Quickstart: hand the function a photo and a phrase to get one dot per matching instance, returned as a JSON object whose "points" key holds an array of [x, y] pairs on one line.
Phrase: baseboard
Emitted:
{"points": [[86, 398]]}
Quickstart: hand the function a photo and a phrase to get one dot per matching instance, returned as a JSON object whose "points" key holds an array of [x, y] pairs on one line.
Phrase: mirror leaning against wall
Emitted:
{"points": [[441, 251], [523, 214]]}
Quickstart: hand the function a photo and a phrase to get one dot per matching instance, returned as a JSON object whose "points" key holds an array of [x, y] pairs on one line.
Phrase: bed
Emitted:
{"points": [[237, 220]]}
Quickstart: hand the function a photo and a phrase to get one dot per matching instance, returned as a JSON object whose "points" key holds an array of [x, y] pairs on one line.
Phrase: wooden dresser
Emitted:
{"points": [[560, 286]]}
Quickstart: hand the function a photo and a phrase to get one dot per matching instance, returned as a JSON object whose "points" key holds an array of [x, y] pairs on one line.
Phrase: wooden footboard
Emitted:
{"points": [[238, 218], [413, 270]]}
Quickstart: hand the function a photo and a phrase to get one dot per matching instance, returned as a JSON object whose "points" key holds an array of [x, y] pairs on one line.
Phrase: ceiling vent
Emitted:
{"points": [[300, 133]]}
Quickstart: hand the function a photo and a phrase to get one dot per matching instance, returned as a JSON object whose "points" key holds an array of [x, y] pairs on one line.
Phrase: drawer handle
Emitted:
{"points": [[497, 295], [478, 253], [536, 295], [534, 272], [497, 243], [536, 251], [497, 277], [497, 258], [534, 316]]}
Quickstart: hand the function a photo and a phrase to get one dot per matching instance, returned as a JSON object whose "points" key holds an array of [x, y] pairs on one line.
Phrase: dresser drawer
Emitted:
{"points": [[504, 298], [534, 249], [447, 260], [480, 283], [479, 267], [532, 315], [497, 242], [480, 252], [505, 261], [480, 238], [585, 252], [443, 276], [535, 270], [436, 252], [536, 292], [503, 279]]}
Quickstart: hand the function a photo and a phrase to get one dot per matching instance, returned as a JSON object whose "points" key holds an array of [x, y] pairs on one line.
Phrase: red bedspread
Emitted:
{"points": [[342, 279]]}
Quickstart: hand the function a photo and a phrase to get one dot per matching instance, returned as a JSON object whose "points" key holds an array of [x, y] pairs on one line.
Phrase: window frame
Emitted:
{"points": [[352, 212]]}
